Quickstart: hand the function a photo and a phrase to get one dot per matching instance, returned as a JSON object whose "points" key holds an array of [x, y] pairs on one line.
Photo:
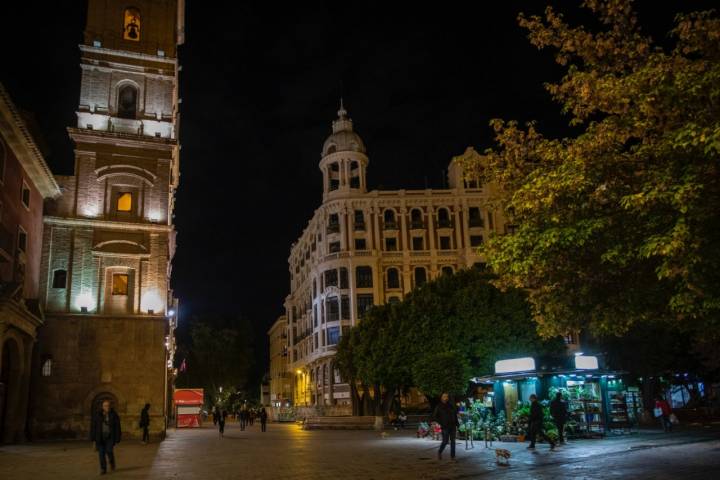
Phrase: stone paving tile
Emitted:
{"points": [[286, 452]]}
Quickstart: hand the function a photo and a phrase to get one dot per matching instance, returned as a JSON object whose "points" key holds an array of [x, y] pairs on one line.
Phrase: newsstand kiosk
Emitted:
{"points": [[188, 405]]}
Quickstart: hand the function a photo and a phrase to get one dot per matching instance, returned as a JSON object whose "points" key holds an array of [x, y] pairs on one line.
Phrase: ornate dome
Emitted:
{"points": [[343, 139]]}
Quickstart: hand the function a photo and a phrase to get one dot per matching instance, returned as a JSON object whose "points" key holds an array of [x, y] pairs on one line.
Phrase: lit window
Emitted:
{"points": [[333, 335], [47, 367], [131, 24], [59, 279], [25, 195], [120, 284], [124, 202]]}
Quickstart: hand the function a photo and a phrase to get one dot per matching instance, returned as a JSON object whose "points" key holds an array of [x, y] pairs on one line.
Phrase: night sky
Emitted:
{"points": [[260, 86]]}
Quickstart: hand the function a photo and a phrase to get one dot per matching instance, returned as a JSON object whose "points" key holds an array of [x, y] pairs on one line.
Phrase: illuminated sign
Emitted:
{"points": [[515, 365], [586, 362]]}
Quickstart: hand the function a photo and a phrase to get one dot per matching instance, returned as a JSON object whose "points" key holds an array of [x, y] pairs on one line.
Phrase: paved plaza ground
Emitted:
{"points": [[287, 452]]}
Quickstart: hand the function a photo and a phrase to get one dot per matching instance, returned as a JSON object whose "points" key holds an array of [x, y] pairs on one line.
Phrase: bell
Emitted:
{"points": [[132, 33]]}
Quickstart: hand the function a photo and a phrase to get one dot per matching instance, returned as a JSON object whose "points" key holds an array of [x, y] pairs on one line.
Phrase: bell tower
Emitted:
{"points": [[109, 240], [344, 159]]}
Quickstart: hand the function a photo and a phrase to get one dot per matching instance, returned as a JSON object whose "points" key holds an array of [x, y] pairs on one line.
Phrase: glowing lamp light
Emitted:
{"points": [[84, 302], [586, 362], [515, 365], [90, 210], [154, 216], [151, 302]]}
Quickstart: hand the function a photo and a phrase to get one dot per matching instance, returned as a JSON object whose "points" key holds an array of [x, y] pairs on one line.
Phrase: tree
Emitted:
{"points": [[618, 225], [437, 338]]}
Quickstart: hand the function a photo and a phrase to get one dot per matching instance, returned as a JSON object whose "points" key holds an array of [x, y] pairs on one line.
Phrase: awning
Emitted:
{"points": [[189, 396]]}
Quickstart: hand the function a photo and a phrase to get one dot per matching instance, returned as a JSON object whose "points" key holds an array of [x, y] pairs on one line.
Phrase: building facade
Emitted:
{"points": [[368, 247], [279, 377], [109, 239], [25, 182]]}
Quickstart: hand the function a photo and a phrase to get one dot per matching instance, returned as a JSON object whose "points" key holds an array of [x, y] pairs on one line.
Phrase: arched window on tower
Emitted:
{"points": [[354, 174], [131, 24], [334, 176], [393, 278], [127, 101]]}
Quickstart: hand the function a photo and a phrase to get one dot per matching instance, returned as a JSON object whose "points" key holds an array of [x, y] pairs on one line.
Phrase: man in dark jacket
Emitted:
{"points": [[105, 432], [558, 411], [535, 426], [446, 415], [145, 423], [263, 419]]}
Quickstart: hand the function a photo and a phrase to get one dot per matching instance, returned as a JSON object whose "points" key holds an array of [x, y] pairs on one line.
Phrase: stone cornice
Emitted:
{"points": [[126, 54], [120, 139], [18, 138], [107, 224]]}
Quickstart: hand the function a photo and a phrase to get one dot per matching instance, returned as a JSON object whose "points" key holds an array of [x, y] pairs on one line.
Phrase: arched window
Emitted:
{"points": [[59, 279], [416, 218], [420, 276], [443, 218], [47, 366], [389, 218], [354, 165], [131, 24], [127, 101], [331, 149], [447, 270], [393, 278]]}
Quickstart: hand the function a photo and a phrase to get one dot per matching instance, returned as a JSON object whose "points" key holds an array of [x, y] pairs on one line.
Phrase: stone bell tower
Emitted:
{"points": [[109, 239]]}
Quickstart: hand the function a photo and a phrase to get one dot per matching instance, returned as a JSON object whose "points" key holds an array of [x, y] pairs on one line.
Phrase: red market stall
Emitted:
{"points": [[188, 405]]}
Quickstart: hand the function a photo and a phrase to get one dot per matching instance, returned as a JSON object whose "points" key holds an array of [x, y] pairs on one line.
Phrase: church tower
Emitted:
{"points": [[109, 240], [344, 160]]}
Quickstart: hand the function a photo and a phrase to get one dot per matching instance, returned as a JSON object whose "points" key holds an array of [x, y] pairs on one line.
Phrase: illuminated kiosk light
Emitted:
{"points": [[524, 364], [586, 362]]}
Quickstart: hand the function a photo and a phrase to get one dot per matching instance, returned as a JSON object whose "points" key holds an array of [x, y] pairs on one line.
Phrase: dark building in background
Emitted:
{"points": [[25, 182]]}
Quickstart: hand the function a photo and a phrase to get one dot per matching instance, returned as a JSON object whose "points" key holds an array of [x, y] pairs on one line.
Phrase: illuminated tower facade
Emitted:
{"points": [[109, 239]]}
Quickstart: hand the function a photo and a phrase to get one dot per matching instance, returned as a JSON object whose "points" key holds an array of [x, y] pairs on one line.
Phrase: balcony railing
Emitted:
{"points": [[417, 224]]}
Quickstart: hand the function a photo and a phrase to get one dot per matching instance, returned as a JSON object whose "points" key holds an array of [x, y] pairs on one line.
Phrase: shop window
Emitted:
{"points": [[393, 278], [59, 279], [364, 277], [120, 283], [391, 244], [420, 276], [476, 240], [360, 244], [445, 243]]}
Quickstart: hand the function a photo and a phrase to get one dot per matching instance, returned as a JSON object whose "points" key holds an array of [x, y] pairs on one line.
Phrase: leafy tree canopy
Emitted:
{"points": [[618, 225]]}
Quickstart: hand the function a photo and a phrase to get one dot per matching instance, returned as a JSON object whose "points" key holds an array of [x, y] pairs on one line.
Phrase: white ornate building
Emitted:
{"points": [[368, 247]]}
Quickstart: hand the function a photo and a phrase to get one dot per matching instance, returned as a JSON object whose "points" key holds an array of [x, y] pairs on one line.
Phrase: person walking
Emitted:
{"points": [[216, 415], [402, 418], [662, 412], [105, 433], [221, 421], [263, 419], [536, 423], [446, 415], [243, 419], [145, 423], [559, 413]]}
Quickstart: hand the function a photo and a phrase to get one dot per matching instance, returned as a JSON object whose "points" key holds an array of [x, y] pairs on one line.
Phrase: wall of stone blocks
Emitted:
{"points": [[94, 355]]}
